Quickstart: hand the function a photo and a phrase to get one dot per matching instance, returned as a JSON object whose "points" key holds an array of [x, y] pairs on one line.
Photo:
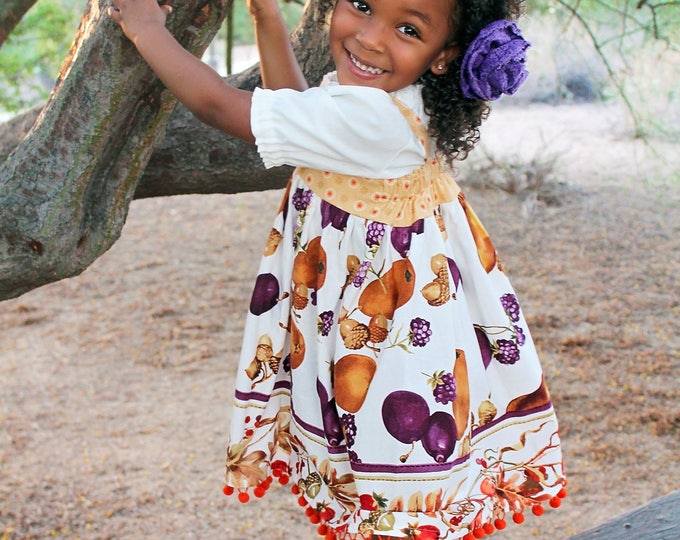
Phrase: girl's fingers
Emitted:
{"points": [[114, 14]]}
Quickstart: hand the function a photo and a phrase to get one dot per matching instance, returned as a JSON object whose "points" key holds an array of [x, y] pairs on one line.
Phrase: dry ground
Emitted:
{"points": [[116, 385]]}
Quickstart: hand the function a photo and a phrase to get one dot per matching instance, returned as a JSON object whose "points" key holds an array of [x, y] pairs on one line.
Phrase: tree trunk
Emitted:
{"points": [[66, 188], [11, 12]]}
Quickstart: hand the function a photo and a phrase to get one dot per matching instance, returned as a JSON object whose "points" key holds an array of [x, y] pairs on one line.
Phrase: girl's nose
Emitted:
{"points": [[371, 35]]}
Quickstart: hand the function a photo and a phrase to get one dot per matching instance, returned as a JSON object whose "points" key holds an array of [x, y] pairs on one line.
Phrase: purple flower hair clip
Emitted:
{"points": [[494, 63]]}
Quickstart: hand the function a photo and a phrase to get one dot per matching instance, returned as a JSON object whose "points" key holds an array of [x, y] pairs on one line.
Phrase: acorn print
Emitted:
{"points": [[377, 328], [355, 336], [438, 291], [300, 296], [272, 242], [486, 412]]}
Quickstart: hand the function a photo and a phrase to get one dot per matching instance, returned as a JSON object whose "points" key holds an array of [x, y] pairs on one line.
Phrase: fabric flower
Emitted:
{"points": [[494, 63]]}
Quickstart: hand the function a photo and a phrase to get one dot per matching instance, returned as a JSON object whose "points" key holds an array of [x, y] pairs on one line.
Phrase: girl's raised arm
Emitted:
{"points": [[194, 83], [278, 65]]}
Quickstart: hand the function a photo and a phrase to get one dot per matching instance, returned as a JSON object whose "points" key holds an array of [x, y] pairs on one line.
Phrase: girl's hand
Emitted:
{"points": [[260, 9], [137, 16]]}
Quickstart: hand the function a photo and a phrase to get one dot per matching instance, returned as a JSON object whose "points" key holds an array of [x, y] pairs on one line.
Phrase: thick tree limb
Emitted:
{"points": [[11, 12], [65, 189]]}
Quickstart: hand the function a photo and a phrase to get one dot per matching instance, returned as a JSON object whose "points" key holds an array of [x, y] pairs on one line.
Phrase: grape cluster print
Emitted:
{"points": [[443, 387], [302, 199], [420, 332], [511, 306], [325, 323], [406, 416], [374, 234], [502, 342], [506, 351], [418, 336], [349, 428], [361, 273]]}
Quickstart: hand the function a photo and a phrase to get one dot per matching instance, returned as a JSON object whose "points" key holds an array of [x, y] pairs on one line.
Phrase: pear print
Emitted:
{"points": [[485, 247], [389, 291], [352, 377]]}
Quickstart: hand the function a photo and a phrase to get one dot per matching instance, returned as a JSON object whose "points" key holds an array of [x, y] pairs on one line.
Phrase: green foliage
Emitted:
{"points": [[31, 57], [243, 23]]}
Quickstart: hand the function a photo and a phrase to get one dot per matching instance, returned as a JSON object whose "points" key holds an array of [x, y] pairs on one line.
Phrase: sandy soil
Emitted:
{"points": [[116, 385]]}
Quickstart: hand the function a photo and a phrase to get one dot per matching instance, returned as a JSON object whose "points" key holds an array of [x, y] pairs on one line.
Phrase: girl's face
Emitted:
{"points": [[389, 44]]}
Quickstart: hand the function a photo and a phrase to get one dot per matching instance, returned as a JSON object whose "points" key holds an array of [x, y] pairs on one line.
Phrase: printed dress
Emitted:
{"points": [[387, 372]]}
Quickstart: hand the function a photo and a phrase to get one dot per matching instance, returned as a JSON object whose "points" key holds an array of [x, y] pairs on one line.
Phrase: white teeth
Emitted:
{"points": [[364, 67]]}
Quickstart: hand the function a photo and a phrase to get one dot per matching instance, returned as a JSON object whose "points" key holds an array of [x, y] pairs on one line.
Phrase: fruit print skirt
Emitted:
{"points": [[388, 376]]}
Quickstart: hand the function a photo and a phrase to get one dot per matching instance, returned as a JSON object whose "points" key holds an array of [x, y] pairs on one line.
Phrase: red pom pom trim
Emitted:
{"points": [[228, 490], [518, 518], [500, 524], [555, 502]]}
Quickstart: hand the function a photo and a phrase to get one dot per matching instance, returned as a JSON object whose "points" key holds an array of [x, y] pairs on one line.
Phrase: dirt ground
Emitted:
{"points": [[116, 385]]}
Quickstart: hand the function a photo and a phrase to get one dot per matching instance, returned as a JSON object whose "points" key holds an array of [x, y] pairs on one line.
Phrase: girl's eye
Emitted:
{"points": [[409, 30], [361, 6]]}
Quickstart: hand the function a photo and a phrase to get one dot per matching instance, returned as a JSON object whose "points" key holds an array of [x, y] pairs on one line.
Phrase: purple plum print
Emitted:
{"points": [[455, 272], [334, 216], [405, 415], [332, 426], [401, 236], [484, 346], [440, 436], [265, 294]]}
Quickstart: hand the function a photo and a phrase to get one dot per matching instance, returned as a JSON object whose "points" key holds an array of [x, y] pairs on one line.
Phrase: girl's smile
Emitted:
{"points": [[389, 44]]}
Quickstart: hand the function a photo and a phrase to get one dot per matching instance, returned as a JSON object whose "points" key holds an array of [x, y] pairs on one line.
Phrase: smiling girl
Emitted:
{"points": [[387, 372]]}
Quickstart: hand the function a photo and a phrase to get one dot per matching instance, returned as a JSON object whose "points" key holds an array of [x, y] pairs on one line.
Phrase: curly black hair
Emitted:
{"points": [[455, 119]]}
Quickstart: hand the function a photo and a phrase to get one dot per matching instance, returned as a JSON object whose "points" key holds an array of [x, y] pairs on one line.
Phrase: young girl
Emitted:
{"points": [[387, 371]]}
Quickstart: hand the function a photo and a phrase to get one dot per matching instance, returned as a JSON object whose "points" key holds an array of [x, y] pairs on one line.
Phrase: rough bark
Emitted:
{"points": [[11, 12], [66, 187]]}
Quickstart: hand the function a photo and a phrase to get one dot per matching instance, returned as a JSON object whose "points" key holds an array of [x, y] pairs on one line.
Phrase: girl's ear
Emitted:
{"points": [[440, 64]]}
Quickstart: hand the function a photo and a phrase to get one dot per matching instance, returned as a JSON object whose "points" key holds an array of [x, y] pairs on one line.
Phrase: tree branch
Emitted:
{"points": [[11, 12], [65, 189]]}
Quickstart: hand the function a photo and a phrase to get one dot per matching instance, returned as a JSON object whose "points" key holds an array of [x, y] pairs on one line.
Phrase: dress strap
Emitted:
{"points": [[416, 125]]}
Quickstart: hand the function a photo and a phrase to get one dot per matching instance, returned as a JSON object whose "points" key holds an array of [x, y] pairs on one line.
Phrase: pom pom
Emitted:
{"points": [[562, 493], [243, 497], [479, 533], [494, 63], [537, 509], [488, 528], [518, 518], [555, 502], [228, 490], [500, 524]]}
